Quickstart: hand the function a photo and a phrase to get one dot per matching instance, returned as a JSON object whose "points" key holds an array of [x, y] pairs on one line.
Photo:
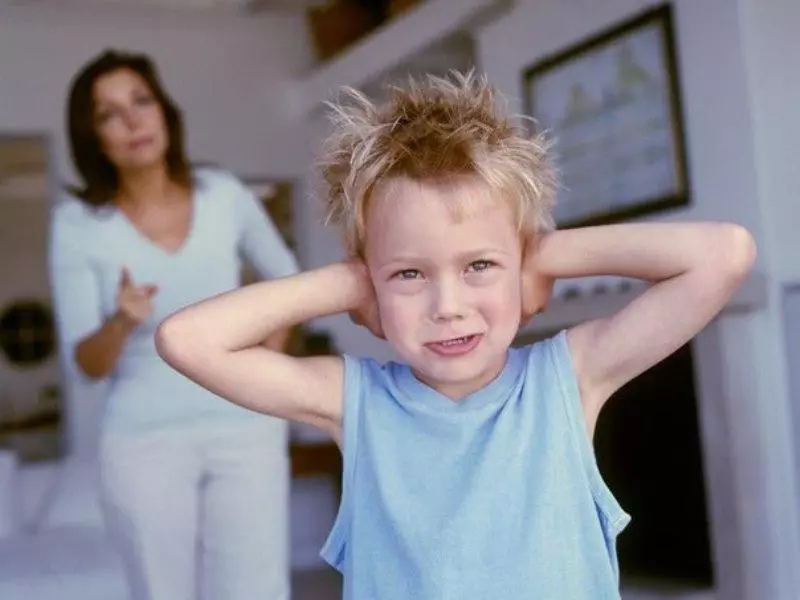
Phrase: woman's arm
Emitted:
{"points": [[218, 343], [91, 343], [97, 353], [695, 268]]}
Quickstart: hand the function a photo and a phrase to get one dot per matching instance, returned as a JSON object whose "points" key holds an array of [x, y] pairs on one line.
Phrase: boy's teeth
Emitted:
{"points": [[460, 340]]}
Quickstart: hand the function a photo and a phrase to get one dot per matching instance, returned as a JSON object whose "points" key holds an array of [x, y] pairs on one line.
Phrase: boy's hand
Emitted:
{"points": [[366, 314], [537, 288]]}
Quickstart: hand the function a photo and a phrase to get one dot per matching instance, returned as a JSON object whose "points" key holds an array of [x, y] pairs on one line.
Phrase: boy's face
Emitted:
{"points": [[445, 262]]}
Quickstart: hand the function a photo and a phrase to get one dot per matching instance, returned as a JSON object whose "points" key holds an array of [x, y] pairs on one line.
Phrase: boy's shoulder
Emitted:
{"points": [[372, 369], [550, 354], [538, 348]]}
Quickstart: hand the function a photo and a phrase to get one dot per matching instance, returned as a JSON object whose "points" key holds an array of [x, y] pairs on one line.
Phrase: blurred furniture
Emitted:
{"points": [[398, 7], [336, 25], [317, 459], [32, 428]]}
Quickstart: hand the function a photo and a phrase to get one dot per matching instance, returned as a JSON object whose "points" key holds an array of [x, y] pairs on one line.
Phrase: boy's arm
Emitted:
{"points": [[695, 268], [218, 343]]}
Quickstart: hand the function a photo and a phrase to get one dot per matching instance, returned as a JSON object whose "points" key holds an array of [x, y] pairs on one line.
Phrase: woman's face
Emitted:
{"points": [[129, 121]]}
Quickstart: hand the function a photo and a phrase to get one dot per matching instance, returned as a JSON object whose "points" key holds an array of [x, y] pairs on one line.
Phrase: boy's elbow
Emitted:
{"points": [[737, 251], [743, 249], [170, 341]]}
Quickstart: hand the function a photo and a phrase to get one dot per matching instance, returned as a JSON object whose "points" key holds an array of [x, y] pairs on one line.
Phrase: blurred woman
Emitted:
{"points": [[194, 488]]}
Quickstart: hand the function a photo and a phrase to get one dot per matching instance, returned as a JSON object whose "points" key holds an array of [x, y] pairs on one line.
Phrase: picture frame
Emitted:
{"points": [[611, 107]]}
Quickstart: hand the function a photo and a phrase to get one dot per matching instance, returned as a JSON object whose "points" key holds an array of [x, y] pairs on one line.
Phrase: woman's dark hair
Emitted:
{"points": [[100, 179]]}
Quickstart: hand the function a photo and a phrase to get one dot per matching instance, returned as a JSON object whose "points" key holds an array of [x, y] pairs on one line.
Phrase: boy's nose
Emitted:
{"points": [[448, 303]]}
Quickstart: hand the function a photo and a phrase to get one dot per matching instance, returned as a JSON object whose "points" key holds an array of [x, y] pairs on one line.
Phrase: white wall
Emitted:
{"points": [[769, 36], [769, 31]]}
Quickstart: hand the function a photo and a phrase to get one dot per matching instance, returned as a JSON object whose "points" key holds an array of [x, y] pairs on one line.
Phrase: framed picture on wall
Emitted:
{"points": [[611, 105]]}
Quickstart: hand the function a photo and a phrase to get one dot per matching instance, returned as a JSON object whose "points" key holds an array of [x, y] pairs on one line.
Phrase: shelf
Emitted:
{"points": [[390, 46]]}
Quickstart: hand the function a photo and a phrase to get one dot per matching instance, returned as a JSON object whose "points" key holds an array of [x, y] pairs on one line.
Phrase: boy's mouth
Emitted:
{"points": [[455, 346]]}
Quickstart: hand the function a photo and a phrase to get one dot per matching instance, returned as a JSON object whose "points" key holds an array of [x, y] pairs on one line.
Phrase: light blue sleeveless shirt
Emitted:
{"points": [[495, 497]]}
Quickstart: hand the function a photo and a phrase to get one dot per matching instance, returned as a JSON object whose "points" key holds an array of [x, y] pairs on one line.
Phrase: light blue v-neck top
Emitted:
{"points": [[495, 497], [89, 247]]}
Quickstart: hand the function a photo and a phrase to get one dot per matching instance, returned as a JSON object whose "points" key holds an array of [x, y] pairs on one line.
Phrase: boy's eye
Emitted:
{"points": [[478, 266], [408, 274]]}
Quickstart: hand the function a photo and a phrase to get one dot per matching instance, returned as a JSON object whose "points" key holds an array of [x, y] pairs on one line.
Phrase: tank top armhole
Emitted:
{"points": [[334, 549], [616, 518]]}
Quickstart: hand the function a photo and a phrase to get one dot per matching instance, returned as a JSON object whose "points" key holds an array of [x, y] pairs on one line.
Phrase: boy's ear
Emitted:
{"points": [[536, 289], [536, 294], [367, 314]]}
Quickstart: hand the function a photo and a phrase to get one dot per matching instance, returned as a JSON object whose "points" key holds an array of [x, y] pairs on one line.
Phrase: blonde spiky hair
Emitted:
{"points": [[431, 130]]}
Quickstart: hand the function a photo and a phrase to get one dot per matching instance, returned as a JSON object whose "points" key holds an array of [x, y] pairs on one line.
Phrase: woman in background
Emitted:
{"points": [[194, 488]]}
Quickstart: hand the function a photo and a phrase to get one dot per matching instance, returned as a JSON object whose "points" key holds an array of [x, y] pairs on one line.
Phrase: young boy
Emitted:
{"points": [[468, 466]]}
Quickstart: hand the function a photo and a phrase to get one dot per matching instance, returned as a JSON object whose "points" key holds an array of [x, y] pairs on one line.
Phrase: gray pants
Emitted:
{"points": [[200, 511]]}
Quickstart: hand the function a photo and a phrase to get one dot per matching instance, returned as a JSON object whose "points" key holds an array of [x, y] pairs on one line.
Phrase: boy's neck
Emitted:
{"points": [[457, 391]]}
